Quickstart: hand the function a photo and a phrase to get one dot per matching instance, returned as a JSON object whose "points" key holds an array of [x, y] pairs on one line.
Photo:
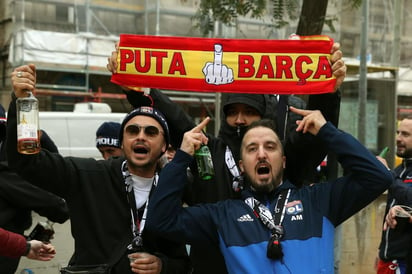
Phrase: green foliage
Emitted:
{"points": [[329, 23], [282, 8], [355, 3], [227, 11]]}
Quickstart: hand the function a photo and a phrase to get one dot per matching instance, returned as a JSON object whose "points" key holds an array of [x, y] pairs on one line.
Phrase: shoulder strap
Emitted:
{"points": [[237, 183]]}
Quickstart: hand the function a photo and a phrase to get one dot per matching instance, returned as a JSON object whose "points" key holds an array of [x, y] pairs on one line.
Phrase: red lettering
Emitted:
{"points": [[265, 67], [323, 68], [246, 68], [283, 66], [138, 62], [126, 57], [299, 68], [177, 64], [159, 55]]}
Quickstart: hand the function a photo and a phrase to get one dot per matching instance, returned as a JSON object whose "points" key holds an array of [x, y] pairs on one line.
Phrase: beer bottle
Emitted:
{"points": [[28, 139], [384, 152], [204, 163]]}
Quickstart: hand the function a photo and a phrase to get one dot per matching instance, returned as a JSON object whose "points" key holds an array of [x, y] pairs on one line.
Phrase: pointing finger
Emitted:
{"points": [[201, 125], [193, 138], [302, 112]]}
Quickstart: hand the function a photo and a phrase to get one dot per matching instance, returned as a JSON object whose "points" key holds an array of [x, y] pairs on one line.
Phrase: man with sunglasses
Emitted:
{"points": [[107, 199], [276, 227]]}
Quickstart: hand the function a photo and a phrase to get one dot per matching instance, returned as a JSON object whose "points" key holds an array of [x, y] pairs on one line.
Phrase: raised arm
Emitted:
{"points": [[178, 120], [366, 177], [165, 212], [304, 151], [32, 167]]}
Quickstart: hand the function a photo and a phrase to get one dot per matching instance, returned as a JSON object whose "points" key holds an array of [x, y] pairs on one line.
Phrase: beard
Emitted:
{"points": [[406, 153], [264, 187]]}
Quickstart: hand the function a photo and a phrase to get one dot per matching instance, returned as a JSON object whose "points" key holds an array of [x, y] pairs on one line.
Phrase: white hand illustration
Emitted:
{"points": [[216, 73]]}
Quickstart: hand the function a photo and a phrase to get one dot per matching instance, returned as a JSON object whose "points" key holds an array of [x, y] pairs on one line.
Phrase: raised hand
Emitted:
{"points": [[194, 138], [311, 122], [23, 79]]}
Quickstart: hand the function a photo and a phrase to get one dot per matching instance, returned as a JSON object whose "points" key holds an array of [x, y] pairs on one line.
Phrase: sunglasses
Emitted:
{"points": [[134, 130]]}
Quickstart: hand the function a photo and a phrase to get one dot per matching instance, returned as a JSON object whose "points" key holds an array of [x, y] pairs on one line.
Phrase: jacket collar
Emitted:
{"points": [[248, 192]]}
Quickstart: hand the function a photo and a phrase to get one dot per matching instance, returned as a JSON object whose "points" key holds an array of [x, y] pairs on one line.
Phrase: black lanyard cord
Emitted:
{"points": [[138, 215]]}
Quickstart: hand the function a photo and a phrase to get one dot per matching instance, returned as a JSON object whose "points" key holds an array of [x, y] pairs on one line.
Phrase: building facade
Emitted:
{"points": [[70, 41]]}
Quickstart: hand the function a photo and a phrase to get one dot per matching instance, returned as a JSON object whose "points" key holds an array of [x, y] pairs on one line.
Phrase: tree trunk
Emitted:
{"points": [[312, 17]]}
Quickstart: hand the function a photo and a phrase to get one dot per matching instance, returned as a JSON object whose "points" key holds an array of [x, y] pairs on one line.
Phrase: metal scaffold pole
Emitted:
{"points": [[363, 71]]}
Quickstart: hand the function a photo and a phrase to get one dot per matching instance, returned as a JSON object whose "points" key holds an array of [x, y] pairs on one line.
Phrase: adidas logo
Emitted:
{"points": [[245, 218]]}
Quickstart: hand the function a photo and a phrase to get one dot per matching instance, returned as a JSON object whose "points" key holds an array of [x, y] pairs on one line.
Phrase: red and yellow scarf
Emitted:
{"points": [[226, 65]]}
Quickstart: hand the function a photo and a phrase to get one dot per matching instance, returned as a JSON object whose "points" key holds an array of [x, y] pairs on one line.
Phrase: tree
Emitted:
{"points": [[312, 16]]}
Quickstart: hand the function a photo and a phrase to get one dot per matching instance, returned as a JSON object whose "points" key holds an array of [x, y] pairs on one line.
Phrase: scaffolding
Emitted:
{"points": [[70, 41]]}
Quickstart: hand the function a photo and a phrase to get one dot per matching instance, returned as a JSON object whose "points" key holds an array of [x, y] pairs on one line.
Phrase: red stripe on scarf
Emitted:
{"points": [[310, 55]]}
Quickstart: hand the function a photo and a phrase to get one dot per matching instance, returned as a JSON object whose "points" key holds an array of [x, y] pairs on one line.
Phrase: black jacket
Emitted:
{"points": [[396, 243], [18, 198]]}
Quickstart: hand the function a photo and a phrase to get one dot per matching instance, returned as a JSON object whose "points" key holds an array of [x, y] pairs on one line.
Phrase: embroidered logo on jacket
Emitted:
{"points": [[295, 208], [245, 218]]}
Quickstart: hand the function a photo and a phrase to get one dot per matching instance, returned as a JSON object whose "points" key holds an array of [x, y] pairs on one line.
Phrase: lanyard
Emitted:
{"points": [[273, 222], [138, 215]]}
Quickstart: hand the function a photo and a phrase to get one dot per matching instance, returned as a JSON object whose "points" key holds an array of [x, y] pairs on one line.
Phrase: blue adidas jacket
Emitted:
{"points": [[312, 213]]}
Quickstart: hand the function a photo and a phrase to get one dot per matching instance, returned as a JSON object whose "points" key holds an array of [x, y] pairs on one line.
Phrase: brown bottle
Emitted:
{"points": [[28, 137]]}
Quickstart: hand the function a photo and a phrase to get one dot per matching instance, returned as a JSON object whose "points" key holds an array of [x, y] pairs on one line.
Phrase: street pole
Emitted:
{"points": [[363, 95], [363, 70], [218, 96], [397, 33]]}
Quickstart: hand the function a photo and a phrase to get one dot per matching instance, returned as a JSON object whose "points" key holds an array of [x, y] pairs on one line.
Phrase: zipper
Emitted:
{"points": [[385, 253]]}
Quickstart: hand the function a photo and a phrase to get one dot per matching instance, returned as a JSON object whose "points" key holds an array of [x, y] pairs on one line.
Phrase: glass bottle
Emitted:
{"points": [[28, 137], [204, 163], [384, 152]]}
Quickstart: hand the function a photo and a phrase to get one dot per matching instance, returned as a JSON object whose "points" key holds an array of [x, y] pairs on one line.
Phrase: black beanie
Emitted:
{"points": [[107, 135], [256, 101], [151, 112]]}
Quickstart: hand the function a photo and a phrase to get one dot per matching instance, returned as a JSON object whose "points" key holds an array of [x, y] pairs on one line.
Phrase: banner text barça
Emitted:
{"points": [[243, 66], [295, 66]]}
